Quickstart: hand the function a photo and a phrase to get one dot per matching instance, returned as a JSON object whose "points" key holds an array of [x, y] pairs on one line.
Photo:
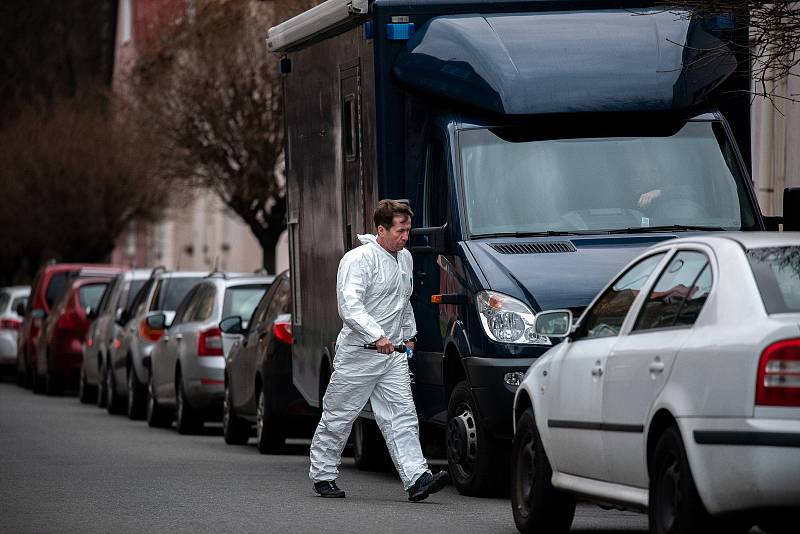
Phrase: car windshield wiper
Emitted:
{"points": [[666, 228], [547, 233]]}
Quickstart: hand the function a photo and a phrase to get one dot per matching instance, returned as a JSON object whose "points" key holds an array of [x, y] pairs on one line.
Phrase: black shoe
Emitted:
{"points": [[328, 488], [427, 484]]}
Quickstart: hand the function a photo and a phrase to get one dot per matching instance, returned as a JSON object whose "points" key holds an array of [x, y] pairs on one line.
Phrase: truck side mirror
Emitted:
{"points": [[432, 240], [791, 209]]}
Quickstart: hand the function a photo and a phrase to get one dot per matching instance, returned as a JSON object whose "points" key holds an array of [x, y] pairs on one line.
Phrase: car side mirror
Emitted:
{"points": [[39, 313], [121, 316], [156, 321], [231, 325], [20, 309], [556, 323], [432, 240], [791, 209], [90, 313]]}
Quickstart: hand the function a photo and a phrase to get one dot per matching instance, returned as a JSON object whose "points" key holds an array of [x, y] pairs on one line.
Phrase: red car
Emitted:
{"points": [[60, 353], [49, 285]]}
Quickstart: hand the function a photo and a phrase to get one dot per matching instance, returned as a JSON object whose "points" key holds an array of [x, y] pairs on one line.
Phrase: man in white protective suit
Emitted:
{"points": [[373, 287]]}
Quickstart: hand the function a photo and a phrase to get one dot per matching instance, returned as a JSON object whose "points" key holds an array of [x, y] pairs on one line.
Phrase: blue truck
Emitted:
{"points": [[541, 145]]}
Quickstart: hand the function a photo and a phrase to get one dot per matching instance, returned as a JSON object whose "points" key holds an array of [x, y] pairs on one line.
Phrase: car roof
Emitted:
{"points": [[746, 240], [17, 290], [239, 280], [182, 274]]}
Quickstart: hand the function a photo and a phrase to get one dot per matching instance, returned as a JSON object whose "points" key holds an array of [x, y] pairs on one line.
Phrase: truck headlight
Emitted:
{"points": [[507, 320]]}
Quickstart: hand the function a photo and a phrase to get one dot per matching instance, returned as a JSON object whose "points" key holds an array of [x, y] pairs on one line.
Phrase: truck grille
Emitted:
{"points": [[534, 248]]}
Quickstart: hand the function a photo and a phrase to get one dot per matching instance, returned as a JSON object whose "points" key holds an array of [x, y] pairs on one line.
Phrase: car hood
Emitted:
{"points": [[556, 273]]}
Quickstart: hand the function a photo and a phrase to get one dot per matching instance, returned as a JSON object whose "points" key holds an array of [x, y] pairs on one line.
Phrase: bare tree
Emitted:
{"points": [[72, 180], [212, 93], [773, 50]]}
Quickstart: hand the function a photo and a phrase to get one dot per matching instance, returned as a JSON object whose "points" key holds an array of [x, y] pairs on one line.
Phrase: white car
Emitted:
{"points": [[677, 393]]}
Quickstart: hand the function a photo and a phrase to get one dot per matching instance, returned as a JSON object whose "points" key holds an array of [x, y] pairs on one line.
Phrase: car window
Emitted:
{"points": [[109, 295], [156, 295], [281, 303], [172, 292], [777, 273], [607, 315], [186, 306], [137, 305], [17, 301], [132, 292], [242, 300], [90, 294], [205, 303], [666, 304], [56, 288], [5, 298]]}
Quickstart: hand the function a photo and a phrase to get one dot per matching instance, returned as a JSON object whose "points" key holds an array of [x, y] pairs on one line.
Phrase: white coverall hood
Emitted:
{"points": [[373, 287]]}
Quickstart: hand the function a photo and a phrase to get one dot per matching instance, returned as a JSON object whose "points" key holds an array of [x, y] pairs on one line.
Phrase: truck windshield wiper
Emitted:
{"points": [[666, 228]]}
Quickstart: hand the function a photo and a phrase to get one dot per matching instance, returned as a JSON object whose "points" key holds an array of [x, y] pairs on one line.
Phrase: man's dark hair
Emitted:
{"points": [[387, 210]]}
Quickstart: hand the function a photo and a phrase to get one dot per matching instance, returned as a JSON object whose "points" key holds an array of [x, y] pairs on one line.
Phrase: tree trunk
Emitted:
{"points": [[269, 256]]}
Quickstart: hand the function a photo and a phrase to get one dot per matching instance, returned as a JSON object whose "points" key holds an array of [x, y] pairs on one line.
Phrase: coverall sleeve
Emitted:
{"points": [[409, 324], [351, 284]]}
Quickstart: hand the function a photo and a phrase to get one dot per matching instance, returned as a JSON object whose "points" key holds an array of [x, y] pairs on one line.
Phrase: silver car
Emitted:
{"points": [[188, 363], [126, 376], [103, 335], [12, 300]]}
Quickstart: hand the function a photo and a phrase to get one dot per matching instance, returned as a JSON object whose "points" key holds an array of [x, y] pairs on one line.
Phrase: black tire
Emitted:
{"points": [[234, 430], [537, 506], [37, 382], [187, 420], [102, 390], [115, 405], [137, 396], [86, 393], [270, 429], [675, 507], [21, 378], [478, 463], [52, 385], [369, 447], [157, 415]]}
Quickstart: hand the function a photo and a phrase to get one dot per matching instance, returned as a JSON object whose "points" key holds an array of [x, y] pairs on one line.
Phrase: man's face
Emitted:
{"points": [[395, 238]]}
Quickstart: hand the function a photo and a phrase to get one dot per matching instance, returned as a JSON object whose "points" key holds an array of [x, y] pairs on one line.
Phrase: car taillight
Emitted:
{"points": [[778, 382], [283, 332], [209, 343], [11, 324], [117, 343], [150, 334], [89, 342]]}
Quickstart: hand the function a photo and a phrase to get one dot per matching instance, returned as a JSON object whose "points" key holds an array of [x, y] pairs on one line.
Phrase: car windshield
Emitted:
{"points": [[516, 181], [174, 291], [56, 288], [777, 273], [242, 300], [4, 299]]}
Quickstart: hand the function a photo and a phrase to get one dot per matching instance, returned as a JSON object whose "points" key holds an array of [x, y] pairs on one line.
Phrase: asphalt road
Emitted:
{"points": [[67, 467]]}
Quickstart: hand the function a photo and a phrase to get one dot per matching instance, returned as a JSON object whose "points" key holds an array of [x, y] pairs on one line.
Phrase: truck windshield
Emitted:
{"points": [[516, 183]]}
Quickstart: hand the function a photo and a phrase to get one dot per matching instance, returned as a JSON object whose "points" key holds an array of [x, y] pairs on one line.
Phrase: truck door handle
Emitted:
{"points": [[657, 366]]}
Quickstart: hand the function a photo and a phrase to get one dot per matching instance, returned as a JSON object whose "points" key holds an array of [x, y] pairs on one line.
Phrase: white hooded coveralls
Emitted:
{"points": [[373, 288]]}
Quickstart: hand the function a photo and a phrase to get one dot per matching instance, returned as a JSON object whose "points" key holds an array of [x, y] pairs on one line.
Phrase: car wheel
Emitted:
{"points": [[37, 382], [137, 396], [187, 420], [675, 507], [52, 385], [114, 404], [21, 378], [536, 504], [369, 447], [270, 432], [102, 392], [86, 393], [157, 415], [475, 458], [234, 430]]}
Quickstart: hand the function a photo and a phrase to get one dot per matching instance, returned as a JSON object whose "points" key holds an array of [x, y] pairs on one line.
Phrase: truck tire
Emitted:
{"points": [[537, 506], [369, 447], [475, 458]]}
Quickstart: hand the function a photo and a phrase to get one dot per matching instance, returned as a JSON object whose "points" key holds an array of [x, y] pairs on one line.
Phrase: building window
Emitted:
{"points": [[127, 20]]}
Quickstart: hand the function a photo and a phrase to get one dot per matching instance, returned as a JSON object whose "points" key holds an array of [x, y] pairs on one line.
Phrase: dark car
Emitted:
{"points": [[60, 351], [49, 286], [258, 376]]}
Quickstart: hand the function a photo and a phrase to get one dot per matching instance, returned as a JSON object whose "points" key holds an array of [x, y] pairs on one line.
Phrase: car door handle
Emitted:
{"points": [[164, 338], [657, 366], [597, 371], [179, 336]]}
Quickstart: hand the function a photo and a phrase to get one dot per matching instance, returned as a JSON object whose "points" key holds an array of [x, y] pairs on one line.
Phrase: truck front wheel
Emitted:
{"points": [[474, 456]]}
